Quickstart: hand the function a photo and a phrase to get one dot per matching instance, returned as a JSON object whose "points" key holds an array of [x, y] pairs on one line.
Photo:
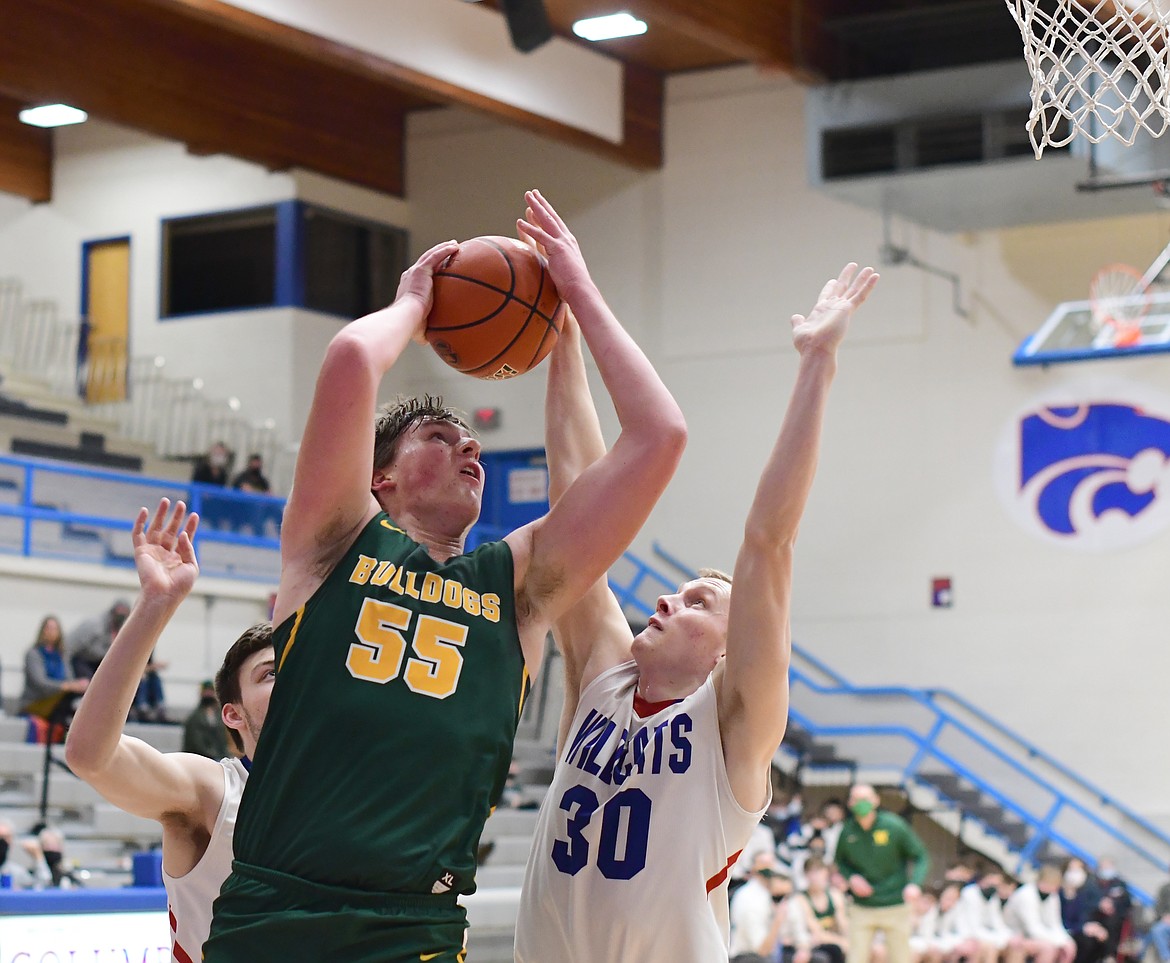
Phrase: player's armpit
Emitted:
{"points": [[145, 782]]}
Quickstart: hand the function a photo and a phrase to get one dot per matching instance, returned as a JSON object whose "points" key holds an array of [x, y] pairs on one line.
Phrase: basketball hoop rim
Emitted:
{"points": [[1101, 311]]}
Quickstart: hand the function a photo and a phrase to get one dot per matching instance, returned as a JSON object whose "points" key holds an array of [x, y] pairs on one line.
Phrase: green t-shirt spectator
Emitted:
{"points": [[881, 855]]}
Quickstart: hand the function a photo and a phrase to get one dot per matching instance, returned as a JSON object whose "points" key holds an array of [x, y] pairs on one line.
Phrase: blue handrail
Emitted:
{"points": [[926, 747]]}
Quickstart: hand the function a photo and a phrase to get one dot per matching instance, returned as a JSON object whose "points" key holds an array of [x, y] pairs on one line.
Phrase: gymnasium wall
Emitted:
{"points": [[704, 261]]}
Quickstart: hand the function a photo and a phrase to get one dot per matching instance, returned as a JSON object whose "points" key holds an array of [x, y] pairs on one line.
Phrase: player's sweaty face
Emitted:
{"points": [[438, 457]]}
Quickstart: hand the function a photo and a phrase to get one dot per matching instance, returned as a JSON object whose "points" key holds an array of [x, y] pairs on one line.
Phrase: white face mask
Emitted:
{"points": [[1074, 878]]}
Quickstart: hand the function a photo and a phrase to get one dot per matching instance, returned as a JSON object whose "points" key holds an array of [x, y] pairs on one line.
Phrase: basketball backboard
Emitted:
{"points": [[1071, 333]]}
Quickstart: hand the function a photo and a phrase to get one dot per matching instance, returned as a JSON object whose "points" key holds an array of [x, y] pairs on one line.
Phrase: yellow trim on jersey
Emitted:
{"points": [[525, 688], [292, 637]]}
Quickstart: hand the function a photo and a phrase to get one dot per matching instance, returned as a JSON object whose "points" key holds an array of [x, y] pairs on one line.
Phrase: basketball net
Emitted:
{"points": [[1099, 68]]}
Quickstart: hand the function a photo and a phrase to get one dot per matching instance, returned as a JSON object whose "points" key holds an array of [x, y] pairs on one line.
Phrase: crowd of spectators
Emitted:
{"points": [[845, 885]]}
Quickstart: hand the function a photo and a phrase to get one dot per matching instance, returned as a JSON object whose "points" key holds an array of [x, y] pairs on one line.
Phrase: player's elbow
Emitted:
{"points": [[668, 438], [79, 757]]}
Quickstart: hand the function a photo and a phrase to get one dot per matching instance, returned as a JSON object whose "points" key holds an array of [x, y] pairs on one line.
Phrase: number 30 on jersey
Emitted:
{"points": [[377, 655]]}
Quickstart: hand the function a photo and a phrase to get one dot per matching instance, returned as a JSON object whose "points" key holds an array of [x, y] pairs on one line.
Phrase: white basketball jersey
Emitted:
{"points": [[635, 836], [189, 897]]}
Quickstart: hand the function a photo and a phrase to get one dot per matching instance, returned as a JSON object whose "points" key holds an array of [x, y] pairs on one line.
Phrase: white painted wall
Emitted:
{"points": [[705, 260]]}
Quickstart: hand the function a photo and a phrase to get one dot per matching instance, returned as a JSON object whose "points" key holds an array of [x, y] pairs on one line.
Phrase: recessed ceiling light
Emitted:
{"points": [[53, 115], [609, 27]]}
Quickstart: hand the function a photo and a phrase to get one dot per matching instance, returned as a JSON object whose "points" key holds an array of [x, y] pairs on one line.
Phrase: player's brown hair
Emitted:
{"points": [[227, 679], [394, 418]]}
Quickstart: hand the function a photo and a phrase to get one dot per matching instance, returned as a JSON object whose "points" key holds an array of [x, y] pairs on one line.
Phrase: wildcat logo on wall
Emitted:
{"points": [[1089, 468]]}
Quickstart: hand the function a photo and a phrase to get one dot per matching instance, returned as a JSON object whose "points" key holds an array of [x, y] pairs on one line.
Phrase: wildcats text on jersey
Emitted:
{"points": [[656, 749], [427, 587]]}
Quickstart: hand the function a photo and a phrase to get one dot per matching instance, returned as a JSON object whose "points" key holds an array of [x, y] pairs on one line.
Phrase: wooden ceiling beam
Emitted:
{"points": [[26, 155], [783, 34], [154, 67], [640, 147], [223, 80]]}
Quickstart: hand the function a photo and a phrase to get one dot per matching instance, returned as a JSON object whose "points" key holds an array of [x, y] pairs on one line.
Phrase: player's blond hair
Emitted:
{"points": [[717, 574]]}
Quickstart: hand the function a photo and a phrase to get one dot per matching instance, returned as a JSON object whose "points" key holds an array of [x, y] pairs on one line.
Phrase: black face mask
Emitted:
{"points": [[53, 861], [3, 851], [777, 897], [988, 891], [208, 702]]}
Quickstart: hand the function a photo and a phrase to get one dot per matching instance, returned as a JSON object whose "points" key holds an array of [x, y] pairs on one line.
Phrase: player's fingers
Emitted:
{"points": [[797, 320], [543, 210], [552, 211], [192, 525], [160, 515], [139, 525], [433, 257], [847, 273], [176, 522], [863, 285], [534, 231], [185, 549]]}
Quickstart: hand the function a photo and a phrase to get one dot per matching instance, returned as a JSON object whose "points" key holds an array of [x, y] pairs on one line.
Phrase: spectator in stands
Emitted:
{"points": [[252, 479], [959, 870], [983, 907], [824, 912], [957, 937], [1158, 935], [51, 843], [753, 911], [1078, 895], [19, 876], [89, 642], [213, 468], [834, 812], [1033, 913], [47, 674], [149, 700], [815, 849], [924, 946], [203, 732], [761, 841], [1113, 905], [874, 853]]}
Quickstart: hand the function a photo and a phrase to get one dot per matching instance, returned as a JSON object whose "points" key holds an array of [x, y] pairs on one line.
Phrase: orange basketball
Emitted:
{"points": [[496, 312]]}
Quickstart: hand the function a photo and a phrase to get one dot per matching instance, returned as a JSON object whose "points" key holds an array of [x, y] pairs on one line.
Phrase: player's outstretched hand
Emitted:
{"points": [[543, 226], [418, 281], [825, 326], [163, 552]]}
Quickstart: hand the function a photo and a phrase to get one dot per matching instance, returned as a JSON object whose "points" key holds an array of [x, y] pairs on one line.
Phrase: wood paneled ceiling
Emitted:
{"points": [[223, 80]]}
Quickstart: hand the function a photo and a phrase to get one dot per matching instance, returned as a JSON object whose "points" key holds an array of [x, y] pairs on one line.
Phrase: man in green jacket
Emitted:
{"points": [[885, 864]]}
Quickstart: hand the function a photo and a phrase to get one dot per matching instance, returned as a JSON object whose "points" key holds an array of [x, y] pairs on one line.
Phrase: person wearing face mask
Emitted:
{"points": [[1033, 912], [983, 908], [213, 469], [885, 864], [1114, 903], [753, 913], [18, 876], [203, 731]]}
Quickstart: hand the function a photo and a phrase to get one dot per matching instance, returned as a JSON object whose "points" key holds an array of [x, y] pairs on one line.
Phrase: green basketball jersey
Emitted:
{"points": [[398, 689]]}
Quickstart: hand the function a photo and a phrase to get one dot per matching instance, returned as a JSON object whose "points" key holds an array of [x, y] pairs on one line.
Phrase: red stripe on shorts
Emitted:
{"points": [[717, 880]]}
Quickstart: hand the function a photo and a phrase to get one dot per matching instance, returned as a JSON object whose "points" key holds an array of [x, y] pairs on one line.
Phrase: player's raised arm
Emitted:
{"points": [[126, 771], [593, 634], [753, 679], [330, 498], [559, 556]]}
